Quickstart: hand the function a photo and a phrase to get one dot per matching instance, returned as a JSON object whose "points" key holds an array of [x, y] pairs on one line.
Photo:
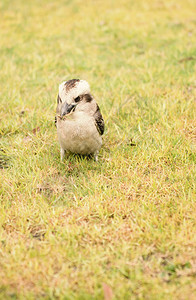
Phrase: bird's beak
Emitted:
{"points": [[66, 109]]}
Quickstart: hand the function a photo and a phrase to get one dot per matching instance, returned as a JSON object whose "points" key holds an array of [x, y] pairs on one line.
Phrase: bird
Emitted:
{"points": [[78, 119]]}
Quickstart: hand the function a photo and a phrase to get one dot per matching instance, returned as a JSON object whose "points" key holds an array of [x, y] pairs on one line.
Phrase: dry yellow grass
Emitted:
{"points": [[122, 228]]}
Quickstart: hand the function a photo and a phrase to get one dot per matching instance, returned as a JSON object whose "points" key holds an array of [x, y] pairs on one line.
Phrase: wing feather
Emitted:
{"points": [[99, 122]]}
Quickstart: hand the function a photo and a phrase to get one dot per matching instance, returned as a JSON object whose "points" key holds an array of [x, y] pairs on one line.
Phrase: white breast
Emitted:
{"points": [[77, 133]]}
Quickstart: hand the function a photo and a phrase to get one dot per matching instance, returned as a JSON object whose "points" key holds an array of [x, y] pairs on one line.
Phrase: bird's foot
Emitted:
{"points": [[96, 156], [62, 154]]}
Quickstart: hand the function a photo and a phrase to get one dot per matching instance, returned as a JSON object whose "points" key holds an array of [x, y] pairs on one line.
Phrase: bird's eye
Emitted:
{"points": [[77, 99]]}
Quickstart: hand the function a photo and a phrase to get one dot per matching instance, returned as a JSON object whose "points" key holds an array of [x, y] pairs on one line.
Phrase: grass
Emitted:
{"points": [[122, 228]]}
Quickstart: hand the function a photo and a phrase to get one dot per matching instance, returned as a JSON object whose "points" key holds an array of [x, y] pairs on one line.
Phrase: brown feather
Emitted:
{"points": [[99, 122]]}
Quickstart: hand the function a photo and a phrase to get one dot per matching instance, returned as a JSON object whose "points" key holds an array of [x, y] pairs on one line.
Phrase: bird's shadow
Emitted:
{"points": [[83, 163], [80, 157]]}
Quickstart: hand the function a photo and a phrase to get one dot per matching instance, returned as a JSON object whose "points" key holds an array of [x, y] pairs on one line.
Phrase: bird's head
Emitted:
{"points": [[73, 94]]}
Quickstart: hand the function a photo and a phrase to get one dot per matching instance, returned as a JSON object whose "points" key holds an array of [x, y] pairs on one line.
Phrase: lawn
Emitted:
{"points": [[124, 227]]}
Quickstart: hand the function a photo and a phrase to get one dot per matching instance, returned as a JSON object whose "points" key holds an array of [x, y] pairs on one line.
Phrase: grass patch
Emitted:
{"points": [[122, 228]]}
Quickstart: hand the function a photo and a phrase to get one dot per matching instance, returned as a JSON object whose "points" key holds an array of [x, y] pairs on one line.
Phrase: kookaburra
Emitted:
{"points": [[78, 119]]}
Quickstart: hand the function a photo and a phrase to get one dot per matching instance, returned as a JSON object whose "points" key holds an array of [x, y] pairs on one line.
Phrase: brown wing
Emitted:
{"points": [[99, 122]]}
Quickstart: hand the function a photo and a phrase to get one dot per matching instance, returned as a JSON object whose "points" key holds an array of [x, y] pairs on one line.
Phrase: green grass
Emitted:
{"points": [[122, 228]]}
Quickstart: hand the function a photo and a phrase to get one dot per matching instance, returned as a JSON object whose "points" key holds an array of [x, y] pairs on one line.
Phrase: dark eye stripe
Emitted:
{"points": [[77, 99]]}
